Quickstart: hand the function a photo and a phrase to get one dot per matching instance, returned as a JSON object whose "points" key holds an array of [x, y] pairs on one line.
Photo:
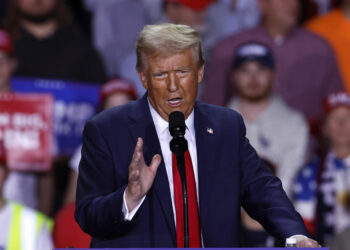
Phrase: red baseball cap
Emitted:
{"points": [[6, 44], [117, 85], [335, 100], [196, 5]]}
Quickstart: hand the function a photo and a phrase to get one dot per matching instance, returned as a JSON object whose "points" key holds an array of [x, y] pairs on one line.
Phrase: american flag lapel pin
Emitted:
{"points": [[210, 131]]}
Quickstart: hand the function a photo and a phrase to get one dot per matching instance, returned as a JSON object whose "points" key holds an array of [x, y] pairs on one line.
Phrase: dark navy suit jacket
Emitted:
{"points": [[230, 174]]}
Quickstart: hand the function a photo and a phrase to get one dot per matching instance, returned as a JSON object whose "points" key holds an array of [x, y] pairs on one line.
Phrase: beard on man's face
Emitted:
{"points": [[253, 94], [37, 18]]}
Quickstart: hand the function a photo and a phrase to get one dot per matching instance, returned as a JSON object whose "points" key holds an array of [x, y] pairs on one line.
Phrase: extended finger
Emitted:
{"points": [[139, 145], [137, 153], [156, 160]]}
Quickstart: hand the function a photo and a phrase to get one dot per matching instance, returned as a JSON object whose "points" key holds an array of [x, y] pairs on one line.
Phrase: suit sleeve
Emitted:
{"points": [[263, 197], [99, 192]]}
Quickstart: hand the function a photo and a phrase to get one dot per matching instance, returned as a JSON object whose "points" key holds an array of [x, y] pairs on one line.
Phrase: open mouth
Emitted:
{"points": [[175, 102]]}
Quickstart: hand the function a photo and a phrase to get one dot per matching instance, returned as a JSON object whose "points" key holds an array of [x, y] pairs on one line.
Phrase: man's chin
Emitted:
{"points": [[255, 98]]}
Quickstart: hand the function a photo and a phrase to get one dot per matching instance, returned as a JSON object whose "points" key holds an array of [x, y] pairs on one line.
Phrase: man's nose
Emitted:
{"points": [[172, 83]]}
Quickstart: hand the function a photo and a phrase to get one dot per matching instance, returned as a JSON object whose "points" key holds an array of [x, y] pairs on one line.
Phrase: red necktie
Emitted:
{"points": [[193, 217]]}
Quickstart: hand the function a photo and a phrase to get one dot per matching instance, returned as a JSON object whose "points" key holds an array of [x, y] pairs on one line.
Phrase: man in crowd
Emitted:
{"points": [[306, 70], [28, 188], [322, 188], [20, 186], [129, 188], [48, 44], [277, 132], [334, 27]]}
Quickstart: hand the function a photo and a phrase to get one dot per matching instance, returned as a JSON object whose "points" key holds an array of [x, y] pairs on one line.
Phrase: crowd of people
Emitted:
{"points": [[283, 65]]}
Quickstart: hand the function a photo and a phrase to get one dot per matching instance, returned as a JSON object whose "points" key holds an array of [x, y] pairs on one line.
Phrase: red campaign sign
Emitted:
{"points": [[26, 131]]}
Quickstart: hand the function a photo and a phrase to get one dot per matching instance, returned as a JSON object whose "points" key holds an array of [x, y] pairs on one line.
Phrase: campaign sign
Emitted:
{"points": [[75, 103], [26, 131]]}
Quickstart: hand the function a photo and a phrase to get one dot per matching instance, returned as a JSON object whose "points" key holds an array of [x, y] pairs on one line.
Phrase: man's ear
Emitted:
{"points": [[143, 78], [200, 74]]}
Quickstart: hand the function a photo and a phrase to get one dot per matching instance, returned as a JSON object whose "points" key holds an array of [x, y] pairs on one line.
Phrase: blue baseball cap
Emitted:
{"points": [[253, 52]]}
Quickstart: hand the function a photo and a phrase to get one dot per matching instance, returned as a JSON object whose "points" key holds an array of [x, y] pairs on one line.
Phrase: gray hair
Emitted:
{"points": [[165, 39]]}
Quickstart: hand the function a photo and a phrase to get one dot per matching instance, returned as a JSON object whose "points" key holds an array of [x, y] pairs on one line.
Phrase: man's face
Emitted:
{"points": [[285, 12], [116, 99], [172, 82], [253, 81], [7, 67], [36, 8], [338, 126]]}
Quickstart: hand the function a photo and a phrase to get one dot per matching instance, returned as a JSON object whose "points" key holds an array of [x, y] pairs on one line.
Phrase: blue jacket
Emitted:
{"points": [[230, 174]]}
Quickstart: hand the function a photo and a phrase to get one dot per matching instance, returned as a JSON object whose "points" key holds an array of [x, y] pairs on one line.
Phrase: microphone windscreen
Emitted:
{"points": [[176, 121]]}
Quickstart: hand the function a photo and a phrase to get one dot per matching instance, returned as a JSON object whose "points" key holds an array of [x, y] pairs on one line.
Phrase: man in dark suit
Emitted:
{"points": [[127, 195]]}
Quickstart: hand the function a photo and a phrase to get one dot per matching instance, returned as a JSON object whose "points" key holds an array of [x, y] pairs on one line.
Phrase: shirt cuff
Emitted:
{"points": [[298, 235], [128, 215]]}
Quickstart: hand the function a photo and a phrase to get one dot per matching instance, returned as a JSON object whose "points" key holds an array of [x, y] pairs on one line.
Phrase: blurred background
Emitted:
{"points": [[284, 65]]}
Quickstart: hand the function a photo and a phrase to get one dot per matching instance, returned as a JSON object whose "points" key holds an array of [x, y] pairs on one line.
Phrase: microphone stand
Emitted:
{"points": [[179, 146]]}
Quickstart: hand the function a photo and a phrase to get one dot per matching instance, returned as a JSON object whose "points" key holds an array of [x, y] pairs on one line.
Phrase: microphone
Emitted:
{"points": [[178, 145], [177, 128]]}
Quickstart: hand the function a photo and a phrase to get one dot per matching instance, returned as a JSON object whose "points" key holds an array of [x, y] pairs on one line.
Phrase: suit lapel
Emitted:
{"points": [[205, 139], [141, 125]]}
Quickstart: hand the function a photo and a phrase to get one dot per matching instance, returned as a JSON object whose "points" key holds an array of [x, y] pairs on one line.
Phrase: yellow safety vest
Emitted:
{"points": [[25, 227]]}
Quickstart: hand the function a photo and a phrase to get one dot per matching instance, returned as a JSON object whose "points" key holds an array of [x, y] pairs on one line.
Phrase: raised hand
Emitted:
{"points": [[141, 176]]}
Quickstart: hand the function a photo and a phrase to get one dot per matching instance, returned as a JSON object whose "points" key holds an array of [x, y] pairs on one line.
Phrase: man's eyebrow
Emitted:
{"points": [[158, 72], [183, 68]]}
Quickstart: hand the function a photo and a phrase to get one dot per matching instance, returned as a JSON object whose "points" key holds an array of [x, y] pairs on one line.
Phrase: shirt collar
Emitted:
{"points": [[163, 125]]}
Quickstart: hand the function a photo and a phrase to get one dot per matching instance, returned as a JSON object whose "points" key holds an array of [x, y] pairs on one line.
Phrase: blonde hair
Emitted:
{"points": [[165, 39]]}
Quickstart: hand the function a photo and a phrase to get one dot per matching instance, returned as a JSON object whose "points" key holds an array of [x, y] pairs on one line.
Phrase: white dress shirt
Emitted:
{"points": [[162, 129]]}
